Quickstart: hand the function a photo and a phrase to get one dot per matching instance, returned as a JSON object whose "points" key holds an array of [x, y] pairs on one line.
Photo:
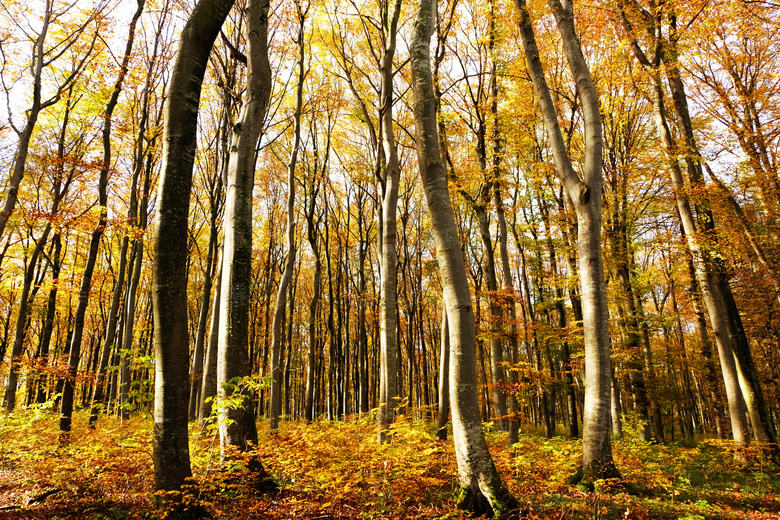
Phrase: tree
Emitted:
{"points": [[169, 273], [388, 173], [66, 408], [237, 421], [284, 283], [43, 58], [481, 489], [585, 194]]}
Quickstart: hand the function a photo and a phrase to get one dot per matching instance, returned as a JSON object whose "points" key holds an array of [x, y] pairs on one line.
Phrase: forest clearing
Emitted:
{"points": [[336, 470]]}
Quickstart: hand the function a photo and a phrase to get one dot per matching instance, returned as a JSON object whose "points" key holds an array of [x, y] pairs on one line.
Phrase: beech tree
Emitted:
{"points": [[585, 194], [237, 422], [171, 343], [277, 338], [481, 489], [45, 54]]}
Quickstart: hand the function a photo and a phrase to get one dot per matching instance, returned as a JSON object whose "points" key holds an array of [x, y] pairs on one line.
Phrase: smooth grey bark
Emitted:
{"points": [[480, 204], [134, 269], [506, 298], [496, 313], [277, 334], [585, 194], [236, 417], [481, 489], [169, 270], [705, 348], [389, 177], [617, 410]]}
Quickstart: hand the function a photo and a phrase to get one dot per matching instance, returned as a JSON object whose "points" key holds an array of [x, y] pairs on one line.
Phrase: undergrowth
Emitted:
{"points": [[337, 470]]}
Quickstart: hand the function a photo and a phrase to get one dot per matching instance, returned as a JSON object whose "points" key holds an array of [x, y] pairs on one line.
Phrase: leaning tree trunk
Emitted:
{"points": [[585, 194], [169, 271], [481, 489], [236, 417], [66, 409]]}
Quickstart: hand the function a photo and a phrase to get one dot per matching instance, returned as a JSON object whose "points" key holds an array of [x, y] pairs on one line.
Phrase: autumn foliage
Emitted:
{"points": [[337, 470]]}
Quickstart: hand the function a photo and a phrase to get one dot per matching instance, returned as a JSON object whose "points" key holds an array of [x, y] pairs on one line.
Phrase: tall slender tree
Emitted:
{"points": [[237, 422], [169, 274], [277, 338], [585, 194], [481, 488]]}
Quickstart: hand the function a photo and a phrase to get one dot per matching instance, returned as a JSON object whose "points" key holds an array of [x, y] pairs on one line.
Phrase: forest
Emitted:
{"points": [[390, 259]]}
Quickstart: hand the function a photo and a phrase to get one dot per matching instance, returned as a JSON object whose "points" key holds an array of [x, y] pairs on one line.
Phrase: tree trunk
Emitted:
{"points": [[389, 177], [444, 378], [311, 233], [169, 271], [481, 489], [277, 333], [586, 197], [236, 417]]}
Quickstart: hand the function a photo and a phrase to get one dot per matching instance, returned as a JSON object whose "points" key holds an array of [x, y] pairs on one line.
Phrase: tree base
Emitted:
{"points": [[586, 481], [504, 506]]}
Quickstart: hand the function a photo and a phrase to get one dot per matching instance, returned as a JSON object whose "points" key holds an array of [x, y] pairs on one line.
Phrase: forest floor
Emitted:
{"points": [[332, 470]]}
